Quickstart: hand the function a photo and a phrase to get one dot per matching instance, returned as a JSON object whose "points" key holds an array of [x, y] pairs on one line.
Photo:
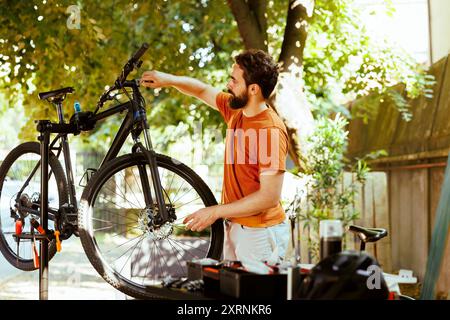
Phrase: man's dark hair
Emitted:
{"points": [[259, 68]]}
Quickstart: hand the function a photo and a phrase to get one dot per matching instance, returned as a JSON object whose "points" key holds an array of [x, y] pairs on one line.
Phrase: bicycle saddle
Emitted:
{"points": [[368, 234], [55, 94]]}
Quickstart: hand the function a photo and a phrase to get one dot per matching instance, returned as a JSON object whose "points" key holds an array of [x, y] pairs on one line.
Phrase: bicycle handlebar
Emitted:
{"points": [[138, 54], [134, 62]]}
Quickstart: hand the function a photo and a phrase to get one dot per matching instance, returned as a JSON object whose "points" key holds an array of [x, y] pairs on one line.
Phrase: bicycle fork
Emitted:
{"points": [[163, 215]]}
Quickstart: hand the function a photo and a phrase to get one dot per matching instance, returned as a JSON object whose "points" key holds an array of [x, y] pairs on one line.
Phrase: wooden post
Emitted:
{"points": [[438, 240]]}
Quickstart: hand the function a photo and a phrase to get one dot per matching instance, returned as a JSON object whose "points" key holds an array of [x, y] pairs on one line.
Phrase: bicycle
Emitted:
{"points": [[129, 218]]}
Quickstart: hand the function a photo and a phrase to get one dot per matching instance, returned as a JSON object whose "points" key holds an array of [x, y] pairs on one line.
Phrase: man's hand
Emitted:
{"points": [[156, 79], [201, 219]]}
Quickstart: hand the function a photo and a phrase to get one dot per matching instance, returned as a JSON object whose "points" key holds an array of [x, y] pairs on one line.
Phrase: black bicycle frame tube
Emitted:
{"points": [[119, 139], [113, 110], [69, 172], [67, 160]]}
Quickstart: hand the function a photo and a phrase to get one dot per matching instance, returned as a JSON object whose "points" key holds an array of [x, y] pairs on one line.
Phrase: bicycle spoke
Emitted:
{"points": [[140, 248], [118, 196], [157, 261], [173, 245], [122, 244], [134, 195], [138, 184], [176, 193], [100, 220], [120, 224], [114, 203], [105, 228], [196, 239], [183, 228], [162, 255], [109, 211], [176, 256], [134, 248], [187, 203], [170, 185], [146, 268], [124, 196], [180, 243], [113, 224], [175, 196], [119, 234], [187, 251]]}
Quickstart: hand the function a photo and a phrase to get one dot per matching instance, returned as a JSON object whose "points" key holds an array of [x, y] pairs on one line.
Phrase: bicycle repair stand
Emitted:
{"points": [[43, 127]]}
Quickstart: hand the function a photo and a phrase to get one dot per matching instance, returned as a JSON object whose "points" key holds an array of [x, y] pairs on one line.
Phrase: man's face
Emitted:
{"points": [[237, 87]]}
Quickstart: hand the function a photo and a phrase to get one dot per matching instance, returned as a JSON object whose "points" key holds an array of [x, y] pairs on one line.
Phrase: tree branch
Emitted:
{"points": [[250, 19], [259, 10], [295, 35]]}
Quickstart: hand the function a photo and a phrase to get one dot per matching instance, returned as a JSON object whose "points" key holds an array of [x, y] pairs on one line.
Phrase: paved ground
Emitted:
{"points": [[71, 278]]}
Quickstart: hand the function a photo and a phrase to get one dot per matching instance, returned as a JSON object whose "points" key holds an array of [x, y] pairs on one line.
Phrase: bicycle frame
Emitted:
{"points": [[134, 123]]}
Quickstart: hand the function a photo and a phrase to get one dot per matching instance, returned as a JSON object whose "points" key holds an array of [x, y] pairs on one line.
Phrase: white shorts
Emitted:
{"points": [[261, 244]]}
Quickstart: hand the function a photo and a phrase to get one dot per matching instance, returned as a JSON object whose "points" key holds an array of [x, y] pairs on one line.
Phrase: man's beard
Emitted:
{"points": [[237, 102]]}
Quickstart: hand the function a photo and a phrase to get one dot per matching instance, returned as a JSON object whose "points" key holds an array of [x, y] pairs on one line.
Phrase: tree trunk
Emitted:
{"points": [[251, 21], [295, 34], [289, 99]]}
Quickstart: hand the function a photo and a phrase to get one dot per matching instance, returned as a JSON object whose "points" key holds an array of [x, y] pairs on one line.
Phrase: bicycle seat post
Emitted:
{"points": [[57, 102], [58, 105]]}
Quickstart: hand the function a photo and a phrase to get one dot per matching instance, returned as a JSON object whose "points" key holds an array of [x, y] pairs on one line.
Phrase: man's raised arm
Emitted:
{"points": [[187, 85]]}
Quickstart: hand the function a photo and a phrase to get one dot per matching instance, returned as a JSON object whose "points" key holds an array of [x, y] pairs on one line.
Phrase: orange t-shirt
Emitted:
{"points": [[253, 145]]}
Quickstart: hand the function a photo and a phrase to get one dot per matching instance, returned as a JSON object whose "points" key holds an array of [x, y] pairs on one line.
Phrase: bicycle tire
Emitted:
{"points": [[86, 221], [61, 182]]}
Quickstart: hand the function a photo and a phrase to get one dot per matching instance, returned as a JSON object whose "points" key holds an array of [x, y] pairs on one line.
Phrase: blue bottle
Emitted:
{"points": [[77, 107]]}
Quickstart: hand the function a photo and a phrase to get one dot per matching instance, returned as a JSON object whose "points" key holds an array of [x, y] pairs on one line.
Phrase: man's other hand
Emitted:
{"points": [[201, 219]]}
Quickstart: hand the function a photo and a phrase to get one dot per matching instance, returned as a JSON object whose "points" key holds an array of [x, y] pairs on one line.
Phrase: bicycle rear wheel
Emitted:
{"points": [[14, 171], [113, 224]]}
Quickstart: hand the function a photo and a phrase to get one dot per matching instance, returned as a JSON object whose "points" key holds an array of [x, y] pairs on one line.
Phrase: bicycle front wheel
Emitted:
{"points": [[115, 230]]}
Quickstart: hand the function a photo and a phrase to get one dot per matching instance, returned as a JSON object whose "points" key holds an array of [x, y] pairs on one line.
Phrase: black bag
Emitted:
{"points": [[344, 276]]}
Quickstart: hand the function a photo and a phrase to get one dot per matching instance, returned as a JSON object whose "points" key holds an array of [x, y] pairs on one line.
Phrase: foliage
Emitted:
{"points": [[196, 38], [50, 55], [343, 62]]}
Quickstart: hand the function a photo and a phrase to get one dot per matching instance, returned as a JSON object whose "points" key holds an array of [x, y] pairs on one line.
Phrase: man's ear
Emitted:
{"points": [[254, 88]]}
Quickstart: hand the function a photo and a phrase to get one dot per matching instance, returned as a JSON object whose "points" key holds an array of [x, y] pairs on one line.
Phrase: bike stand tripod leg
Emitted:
{"points": [[44, 139]]}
